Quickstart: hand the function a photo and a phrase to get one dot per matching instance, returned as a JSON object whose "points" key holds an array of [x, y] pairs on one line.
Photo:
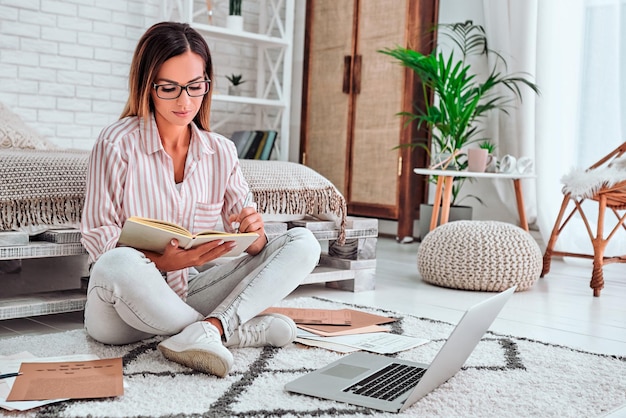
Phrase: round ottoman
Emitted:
{"points": [[479, 255]]}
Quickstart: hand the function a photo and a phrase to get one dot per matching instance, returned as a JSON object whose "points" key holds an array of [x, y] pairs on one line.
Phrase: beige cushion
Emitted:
{"points": [[479, 255], [14, 133], [286, 191]]}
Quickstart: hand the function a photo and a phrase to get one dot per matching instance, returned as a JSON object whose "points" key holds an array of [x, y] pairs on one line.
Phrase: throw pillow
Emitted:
{"points": [[14, 133]]}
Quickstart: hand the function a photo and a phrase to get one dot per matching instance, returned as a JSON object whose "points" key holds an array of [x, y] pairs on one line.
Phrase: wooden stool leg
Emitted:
{"points": [[436, 203], [447, 199], [523, 223], [547, 256]]}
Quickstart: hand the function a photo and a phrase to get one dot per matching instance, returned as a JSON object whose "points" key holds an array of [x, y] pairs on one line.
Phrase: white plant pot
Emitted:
{"points": [[234, 90], [234, 23]]}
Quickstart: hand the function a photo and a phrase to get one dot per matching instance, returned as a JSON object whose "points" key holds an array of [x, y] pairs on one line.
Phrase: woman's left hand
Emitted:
{"points": [[250, 220]]}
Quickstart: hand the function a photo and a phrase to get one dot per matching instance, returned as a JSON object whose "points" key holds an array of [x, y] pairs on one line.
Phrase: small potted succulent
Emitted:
{"points": [[234, 21], [235, 81]]}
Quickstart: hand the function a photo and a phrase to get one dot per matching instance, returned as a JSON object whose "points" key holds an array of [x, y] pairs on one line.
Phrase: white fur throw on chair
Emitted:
{"points": [[583, 183]]}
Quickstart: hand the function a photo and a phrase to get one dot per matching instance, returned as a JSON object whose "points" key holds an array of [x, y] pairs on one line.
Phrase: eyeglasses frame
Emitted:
{"points": [[155, 86]]}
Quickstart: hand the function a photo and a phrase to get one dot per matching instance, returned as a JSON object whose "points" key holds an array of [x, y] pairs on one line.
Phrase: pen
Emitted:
{"points": [[7, 375], [246, 202]]}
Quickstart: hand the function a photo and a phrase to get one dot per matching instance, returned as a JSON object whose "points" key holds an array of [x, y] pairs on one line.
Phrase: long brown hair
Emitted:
{"points": [[161, 42]]}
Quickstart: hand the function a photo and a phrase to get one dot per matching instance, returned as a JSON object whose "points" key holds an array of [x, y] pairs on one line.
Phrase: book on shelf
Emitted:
{"points": [[268, 147], [154, 235], [257, 153], [249, 142], [240, 138], [256, 144]]}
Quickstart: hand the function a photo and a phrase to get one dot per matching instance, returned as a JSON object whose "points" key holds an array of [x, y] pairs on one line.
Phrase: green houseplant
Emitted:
{"points": [[235, 81], [234, 20], [456, 98], [234, 7]]}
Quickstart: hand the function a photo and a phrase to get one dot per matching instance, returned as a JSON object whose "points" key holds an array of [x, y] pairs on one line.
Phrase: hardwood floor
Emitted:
{"points": [[559, 308]]}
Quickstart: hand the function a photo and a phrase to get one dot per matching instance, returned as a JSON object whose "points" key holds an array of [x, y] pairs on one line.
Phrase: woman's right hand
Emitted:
{"points": [[175, 258]]}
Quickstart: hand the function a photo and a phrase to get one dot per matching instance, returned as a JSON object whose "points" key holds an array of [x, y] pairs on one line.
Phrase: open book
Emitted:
{"points": [[154, 235]]}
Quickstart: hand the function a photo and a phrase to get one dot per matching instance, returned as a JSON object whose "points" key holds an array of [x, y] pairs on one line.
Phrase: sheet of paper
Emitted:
{"points": [[11, 364], [340, 348], [314, 340], [68, 379], [315, 316], [379, 342], [345, 330]]}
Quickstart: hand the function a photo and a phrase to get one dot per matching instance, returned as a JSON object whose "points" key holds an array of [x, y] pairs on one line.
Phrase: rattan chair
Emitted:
{"points": [[612, 197]]}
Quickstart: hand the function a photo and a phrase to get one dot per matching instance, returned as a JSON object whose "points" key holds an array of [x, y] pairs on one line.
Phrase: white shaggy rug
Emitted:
{"points": [[505, 376]]}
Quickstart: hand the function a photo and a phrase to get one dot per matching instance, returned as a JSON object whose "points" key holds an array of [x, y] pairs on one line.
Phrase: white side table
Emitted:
{"points": [[443, 193]]}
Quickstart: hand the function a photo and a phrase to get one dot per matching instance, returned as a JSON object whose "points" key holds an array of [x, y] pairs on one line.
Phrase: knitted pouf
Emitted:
{"points": [[479, 255]]}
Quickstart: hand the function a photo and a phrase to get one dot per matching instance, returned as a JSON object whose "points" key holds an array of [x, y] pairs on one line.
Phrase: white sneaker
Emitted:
{"points": [[199, 346], [272, 329]]}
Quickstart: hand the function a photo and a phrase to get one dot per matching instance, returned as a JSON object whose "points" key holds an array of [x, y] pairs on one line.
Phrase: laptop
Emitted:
{"points": [[390, 384]]}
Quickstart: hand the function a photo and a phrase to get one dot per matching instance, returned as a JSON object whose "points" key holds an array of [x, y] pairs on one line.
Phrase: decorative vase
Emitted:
{"points": [[234, 23]]}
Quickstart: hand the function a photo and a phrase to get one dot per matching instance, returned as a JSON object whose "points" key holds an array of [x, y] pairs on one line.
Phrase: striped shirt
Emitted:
{"points": [[130, 174]]}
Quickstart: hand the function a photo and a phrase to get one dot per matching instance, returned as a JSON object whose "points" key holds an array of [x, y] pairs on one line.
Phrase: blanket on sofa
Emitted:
{"points": [[46, 188]]}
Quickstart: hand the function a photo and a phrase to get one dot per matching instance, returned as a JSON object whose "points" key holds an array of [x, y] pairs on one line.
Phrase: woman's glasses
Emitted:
{"points": [[172, 91]]}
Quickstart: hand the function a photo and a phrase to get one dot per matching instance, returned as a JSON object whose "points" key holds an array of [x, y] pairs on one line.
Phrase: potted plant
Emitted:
{"points": [[234, 21], [456, 98], [235, 81]]}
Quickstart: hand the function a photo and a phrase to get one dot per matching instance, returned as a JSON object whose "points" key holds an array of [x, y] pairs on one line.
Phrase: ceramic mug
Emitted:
{"points": [[478, 159]]}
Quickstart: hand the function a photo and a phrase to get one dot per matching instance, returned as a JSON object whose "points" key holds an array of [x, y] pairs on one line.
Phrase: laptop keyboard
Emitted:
{"points": [[389, 382]]}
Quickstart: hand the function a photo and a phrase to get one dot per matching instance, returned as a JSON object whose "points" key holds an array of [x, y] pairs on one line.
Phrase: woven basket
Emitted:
{"points": [[479, 255]]}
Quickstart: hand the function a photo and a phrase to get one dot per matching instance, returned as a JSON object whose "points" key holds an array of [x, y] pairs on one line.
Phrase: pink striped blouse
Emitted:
{"points": [[130, 174]]}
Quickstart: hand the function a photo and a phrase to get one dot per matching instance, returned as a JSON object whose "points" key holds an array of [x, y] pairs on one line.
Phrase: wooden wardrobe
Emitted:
{"points": [[352, 94]]}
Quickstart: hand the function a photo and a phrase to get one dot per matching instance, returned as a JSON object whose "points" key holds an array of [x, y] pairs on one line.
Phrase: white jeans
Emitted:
{"points": [[128, 299]]}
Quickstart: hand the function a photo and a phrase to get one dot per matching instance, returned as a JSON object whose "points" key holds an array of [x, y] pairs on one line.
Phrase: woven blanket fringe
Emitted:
{"points": [[16, 214], [585, 184], [304, 201]]}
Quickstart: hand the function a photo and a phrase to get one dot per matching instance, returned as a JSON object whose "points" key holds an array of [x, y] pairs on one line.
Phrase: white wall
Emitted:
{"points": [[64, 63]]}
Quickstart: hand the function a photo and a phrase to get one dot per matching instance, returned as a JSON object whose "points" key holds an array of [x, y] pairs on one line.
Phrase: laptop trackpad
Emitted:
{"points": [[345, 371]]}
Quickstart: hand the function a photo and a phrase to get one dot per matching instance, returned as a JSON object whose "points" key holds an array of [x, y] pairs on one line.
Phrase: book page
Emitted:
{"points": [[164, 225], [153, 235]]}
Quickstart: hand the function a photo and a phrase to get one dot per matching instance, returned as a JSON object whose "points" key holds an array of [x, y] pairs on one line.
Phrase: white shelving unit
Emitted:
{"points": [[274, 48]]}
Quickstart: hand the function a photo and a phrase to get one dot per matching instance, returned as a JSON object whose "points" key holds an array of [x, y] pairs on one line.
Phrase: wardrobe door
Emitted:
{"points": [[351, 96], [374, 163], [326, 103]]}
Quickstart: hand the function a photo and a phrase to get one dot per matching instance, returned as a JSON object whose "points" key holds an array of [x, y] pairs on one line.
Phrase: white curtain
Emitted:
{"points": [[577, 51], [514, 133]]}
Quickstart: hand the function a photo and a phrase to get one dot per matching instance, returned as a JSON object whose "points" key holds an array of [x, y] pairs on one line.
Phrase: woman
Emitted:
{"points": [[160, 161]]}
